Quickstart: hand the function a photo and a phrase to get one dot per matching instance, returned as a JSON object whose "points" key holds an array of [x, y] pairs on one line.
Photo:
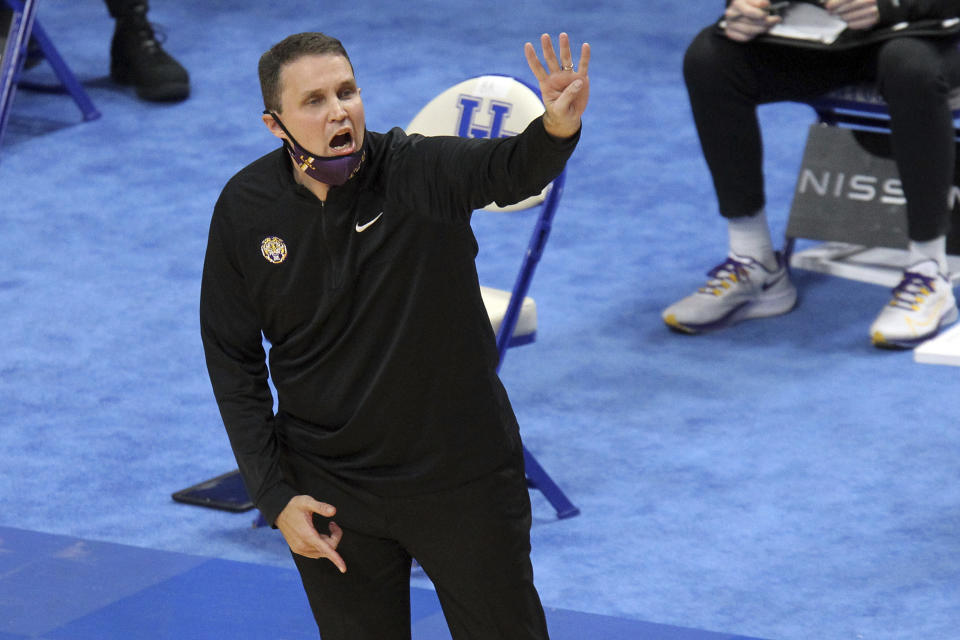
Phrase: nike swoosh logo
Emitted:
{"points": [[363, 227], [767, 285], [918, 324]]}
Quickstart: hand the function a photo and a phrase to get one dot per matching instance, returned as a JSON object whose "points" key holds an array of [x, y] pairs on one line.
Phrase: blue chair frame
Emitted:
{"points": [[23, 26], [537, 477]]}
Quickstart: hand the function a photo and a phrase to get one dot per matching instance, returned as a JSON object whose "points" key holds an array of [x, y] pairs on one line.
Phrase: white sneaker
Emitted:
{"points": [[922, 304], [738, 289]]}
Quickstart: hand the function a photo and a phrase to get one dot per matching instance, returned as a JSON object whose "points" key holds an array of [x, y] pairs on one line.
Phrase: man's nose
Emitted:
{"points": [[337, 111]]}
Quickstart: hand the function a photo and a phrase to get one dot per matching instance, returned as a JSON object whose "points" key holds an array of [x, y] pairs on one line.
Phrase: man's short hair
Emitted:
{"points": [[289, 50]]}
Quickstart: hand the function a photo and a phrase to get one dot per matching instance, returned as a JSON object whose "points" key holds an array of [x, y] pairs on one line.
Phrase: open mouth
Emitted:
{"points": [[342, 142]]}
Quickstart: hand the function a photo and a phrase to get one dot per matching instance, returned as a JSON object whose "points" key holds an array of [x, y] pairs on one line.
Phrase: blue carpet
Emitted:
{"points": [[63, 588], [781, 480]]}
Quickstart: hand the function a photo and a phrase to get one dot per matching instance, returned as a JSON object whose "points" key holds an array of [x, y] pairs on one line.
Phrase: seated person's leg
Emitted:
{"points": [[726, 81], [915, 77]]}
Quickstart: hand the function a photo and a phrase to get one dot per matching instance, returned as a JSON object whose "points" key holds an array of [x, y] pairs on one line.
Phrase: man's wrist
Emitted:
{"points": [[560, 132]]}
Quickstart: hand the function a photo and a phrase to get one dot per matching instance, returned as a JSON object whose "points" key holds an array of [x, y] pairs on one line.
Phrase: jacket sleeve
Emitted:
{"points": [[453, 175], [237, 367], [894, 11]]}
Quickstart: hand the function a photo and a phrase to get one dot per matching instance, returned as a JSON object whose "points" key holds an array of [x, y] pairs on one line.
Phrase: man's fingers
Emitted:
{"points": [[321, 508], [330, 544], [316, 545], [534, 62], [859, 17], [747, 11], [845, 7], [834, 5], [565, 101], [549, 55], [321, 549], [336, 533], [553, 62], [744, 29], [566, 56], [337, 561], [584, 59]]}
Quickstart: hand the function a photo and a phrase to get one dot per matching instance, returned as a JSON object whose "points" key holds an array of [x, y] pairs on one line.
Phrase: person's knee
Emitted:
{"points": [[909, 69], [700, 62]]}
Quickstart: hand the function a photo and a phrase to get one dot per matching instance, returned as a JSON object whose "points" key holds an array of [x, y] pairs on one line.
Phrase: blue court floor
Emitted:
{"points": [[56, 587]]}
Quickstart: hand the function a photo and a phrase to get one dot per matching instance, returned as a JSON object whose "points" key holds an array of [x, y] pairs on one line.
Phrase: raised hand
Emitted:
{"points": [[564, 84]]}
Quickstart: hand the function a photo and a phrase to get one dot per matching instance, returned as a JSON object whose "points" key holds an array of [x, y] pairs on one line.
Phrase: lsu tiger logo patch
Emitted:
{"points": [[274, 249]]}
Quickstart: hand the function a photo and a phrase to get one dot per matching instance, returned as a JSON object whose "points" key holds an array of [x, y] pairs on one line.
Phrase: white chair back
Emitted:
{"points": [[490, 106]]}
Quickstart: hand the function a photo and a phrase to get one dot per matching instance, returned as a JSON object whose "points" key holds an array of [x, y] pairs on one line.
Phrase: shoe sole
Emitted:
{"points": [[765, 308], [170, 92], [165, 93], [882, 342]]}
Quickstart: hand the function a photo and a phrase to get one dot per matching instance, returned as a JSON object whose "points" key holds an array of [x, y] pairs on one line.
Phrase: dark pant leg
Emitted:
{"points": [[915, 76], [727, 80], [371, 601], [474, 544], [118, 8]]}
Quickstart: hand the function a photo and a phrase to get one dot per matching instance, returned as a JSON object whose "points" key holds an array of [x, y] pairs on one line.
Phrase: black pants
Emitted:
{"points": [[118, 8], [726, 80], [473, 542]]}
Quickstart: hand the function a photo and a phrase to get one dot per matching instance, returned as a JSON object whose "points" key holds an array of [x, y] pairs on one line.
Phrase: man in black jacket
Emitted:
{"points": [[729, 72], [355, 260]]}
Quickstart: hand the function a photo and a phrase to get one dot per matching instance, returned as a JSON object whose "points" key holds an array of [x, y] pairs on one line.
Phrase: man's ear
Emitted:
{"points": [[273, 126]]}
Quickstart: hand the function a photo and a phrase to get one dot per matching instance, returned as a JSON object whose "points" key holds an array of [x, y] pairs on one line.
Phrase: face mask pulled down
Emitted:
{"points": [[332, 170]]}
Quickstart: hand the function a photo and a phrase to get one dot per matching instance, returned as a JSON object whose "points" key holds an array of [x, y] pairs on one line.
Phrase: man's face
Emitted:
{"points": [[321, 105]]}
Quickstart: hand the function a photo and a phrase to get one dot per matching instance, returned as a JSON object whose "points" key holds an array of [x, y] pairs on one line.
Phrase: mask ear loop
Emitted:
{"points": [[301, 157], [292, 140]]}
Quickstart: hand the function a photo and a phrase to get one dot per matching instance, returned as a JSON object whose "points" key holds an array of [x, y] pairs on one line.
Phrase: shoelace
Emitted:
{"points": [[151, 38], [912, 291], [723, 275]]}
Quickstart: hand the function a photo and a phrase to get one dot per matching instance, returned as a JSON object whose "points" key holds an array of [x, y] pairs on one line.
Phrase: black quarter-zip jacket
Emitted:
{"points": [[381, 351]]}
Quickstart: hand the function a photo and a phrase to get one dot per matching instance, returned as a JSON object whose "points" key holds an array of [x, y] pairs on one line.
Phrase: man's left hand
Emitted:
{"points": [[565, 88], [858, 14]]}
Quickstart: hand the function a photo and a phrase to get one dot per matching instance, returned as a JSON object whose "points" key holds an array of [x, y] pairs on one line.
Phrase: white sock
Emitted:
{"points": [[935, 249], [750, 236]]}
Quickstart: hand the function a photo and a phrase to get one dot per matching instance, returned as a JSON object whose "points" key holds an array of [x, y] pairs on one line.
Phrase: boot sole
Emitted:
{"points": [[167, 92]]}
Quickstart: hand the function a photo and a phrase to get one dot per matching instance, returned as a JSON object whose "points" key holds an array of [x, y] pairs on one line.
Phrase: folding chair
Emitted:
{"points": [[493, 106], [23, 26], [848, 193]]}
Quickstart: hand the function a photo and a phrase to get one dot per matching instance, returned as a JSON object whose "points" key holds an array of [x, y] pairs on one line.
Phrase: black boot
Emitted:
{"points": [[137, 58]]}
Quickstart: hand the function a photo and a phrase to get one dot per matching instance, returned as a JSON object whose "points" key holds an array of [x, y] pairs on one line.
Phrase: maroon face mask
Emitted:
{"points": [[332, 170]]}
